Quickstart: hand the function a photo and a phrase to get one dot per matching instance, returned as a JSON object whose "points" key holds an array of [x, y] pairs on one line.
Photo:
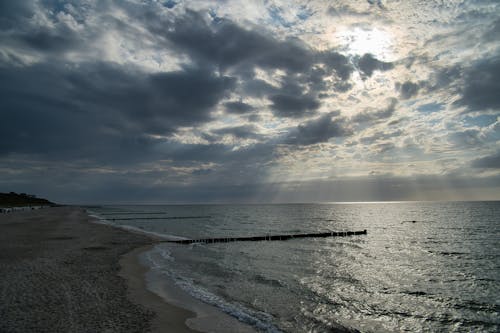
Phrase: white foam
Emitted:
{"points": [[101, 220], [158, 259], [165, 254], [259, 320]]}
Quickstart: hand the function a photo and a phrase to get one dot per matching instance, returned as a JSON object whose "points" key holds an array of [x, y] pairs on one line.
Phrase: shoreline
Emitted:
{"points": [[61, 273], [159, 293], [168, 317], [63, 270]]}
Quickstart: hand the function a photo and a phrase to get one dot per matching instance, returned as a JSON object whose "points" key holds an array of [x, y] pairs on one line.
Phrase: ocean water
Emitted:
{"points": [[423, 266]]}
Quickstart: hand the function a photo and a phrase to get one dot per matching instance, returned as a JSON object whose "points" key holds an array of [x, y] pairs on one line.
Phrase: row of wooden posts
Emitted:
{"points": [[269, 237]]}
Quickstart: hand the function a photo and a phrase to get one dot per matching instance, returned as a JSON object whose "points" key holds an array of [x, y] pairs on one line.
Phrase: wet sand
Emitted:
{"points": [[60, 273]]}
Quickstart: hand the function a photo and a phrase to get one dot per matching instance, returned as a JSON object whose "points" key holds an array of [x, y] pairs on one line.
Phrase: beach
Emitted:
{"points": [[421, 266], [63, 270], [61, 273]]}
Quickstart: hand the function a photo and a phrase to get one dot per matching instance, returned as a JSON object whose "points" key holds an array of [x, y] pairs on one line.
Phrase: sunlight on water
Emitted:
{"points": [[422, 266]]}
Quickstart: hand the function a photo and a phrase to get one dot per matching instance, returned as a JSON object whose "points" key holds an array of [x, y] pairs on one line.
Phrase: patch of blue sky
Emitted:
{"points": [[56, 6], [66, 8], [213, 16], [170, 4], [277, 17], [430, 107], [304, 13], [481, 120]]}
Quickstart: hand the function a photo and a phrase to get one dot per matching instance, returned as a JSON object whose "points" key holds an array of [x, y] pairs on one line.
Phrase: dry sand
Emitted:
{"points": [[59, 273]]}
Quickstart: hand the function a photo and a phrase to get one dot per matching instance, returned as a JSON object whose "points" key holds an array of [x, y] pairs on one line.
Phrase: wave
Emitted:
{"points": [[260, 320], [101, 220]]}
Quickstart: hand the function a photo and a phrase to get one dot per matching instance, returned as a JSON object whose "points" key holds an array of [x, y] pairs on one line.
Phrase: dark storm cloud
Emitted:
{"points": [[293, 106], [99, 108], [228, 46], [319, 130], [408, 89], [238, 107], [369, 64], [46, 40], [493, 34], [108, 113], [481, 87], [338, 62], [186, 96], [258, 88], [18, 30], [376, 115], [488, 162], [445, 77], [243, 132], [11, 12], [103, 131]]}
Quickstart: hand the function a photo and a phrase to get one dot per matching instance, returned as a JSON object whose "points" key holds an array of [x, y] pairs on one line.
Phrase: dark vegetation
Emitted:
{"points": [[13, 199]]}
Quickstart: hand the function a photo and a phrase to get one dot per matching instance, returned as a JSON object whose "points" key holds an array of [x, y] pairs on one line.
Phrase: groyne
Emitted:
{"points": [[269, 237]]}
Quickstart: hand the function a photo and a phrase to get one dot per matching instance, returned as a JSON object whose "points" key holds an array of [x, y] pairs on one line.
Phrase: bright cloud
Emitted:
{"points": [[238, 100]]}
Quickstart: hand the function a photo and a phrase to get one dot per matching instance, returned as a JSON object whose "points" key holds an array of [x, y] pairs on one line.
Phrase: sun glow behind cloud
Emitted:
{"points": [[363, 40], [253, 93]]}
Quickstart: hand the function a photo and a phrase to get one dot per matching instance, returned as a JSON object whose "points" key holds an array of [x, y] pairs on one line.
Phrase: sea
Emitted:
{"points": [[421, 267]]}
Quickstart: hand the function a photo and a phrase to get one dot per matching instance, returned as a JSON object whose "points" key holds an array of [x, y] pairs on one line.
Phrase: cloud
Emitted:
{"points": [[238, 107], [194, 99], [243, 132], [346, 10], [338, 62], [493, 34], [377, 115], [11, 12], [379, 3], [27, 28], [444, 78], [381, 135], [319, 130], [408, 89], [487, 162], [293, 106], [226, 44], [467, 138], [481, 86], [383, 147], [229, 46], [258, 88], [369, 64], [99, 106], [49, 40], [186, 97]]}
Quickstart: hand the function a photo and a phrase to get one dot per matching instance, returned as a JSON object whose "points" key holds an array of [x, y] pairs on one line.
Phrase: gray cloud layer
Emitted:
{"points": [[138, 96]]}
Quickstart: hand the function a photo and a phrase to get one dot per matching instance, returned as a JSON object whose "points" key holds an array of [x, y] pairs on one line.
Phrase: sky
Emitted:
{"points": [[139, 101]]}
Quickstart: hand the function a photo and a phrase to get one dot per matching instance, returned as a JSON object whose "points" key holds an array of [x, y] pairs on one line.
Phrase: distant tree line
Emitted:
{"points": [[13, 199]]}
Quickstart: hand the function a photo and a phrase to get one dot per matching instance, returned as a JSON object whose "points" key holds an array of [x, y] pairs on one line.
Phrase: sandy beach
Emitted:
{"points": [[61, 273]]}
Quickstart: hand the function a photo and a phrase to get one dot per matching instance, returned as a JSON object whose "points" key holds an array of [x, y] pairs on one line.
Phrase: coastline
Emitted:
{"points": [[60, 272], [176, 310], [168, 317]]}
